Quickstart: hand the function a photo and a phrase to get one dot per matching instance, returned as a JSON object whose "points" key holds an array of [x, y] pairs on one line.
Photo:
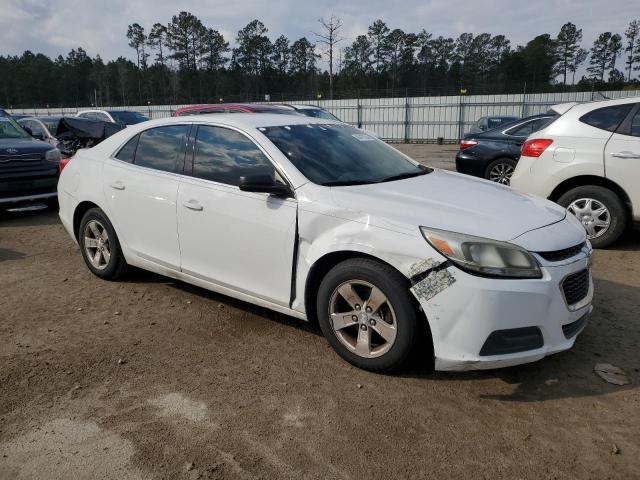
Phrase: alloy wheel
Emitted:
{"points": [[96, 244], [362, 318], [593, 215], [501, 173]]}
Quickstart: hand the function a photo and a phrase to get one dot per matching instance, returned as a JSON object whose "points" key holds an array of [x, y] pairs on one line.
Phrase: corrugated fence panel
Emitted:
{"points": [[413, 119]]}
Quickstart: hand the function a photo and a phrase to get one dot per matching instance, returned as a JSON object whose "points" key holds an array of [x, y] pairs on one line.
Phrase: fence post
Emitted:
{"points": [[406, 117], [460, 117], [359, 108]]}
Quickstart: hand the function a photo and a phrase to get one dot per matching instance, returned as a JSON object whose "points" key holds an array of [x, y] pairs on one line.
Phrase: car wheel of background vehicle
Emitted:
{"points": [[100, 246], [366, 314], [600, 211], [500, 170]]}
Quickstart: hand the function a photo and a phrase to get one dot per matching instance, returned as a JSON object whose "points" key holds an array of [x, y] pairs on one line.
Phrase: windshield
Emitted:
{"points": [[128, 118], [333, 155], [318, 113], [9, 128]]}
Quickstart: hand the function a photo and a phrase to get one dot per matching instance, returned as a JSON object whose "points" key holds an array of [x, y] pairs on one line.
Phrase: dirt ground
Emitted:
{"points": [[151, 378]]}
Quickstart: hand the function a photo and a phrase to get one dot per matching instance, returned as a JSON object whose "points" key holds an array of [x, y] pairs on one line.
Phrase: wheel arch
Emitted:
{"points": [[321, 267], [585, 180], [78, 213]]}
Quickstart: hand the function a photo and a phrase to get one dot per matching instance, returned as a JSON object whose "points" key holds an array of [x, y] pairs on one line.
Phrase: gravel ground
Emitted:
{"points": [[152, 378]]}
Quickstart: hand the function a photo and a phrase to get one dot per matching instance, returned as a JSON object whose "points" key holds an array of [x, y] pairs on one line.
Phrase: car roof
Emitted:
{"points": [[245, 121], [246, 107]]}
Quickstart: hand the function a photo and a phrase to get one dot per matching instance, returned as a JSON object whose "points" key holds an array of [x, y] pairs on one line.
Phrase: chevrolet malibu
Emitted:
{"points": [[320, 221]]}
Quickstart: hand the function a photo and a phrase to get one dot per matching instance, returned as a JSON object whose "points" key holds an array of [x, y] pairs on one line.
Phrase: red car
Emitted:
{"points": [[234, 108]]}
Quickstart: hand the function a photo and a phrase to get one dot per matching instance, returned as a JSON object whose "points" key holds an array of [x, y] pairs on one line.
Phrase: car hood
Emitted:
{"points": [[451, 201], [22, 145]]}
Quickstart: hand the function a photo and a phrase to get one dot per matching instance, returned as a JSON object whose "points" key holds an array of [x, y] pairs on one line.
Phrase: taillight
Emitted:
{"points": [[535, 147], [62, 164], [467, 143]]}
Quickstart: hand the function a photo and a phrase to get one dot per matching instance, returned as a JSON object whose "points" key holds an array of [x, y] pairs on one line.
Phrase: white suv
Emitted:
{"points": [[588, 161]]}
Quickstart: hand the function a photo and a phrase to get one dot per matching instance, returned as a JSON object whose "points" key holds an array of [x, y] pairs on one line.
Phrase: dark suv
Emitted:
{"points": [[28, 167]]}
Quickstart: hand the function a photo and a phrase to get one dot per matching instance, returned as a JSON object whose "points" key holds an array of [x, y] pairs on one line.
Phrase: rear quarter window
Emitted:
{"points": [[607, 118]]}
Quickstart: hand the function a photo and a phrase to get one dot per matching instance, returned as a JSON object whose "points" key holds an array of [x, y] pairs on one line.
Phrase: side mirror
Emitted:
{"points": [[264, 184], [28, 130]]}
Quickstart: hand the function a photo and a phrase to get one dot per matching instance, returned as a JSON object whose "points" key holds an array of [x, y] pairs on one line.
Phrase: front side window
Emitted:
{"points": [[223, 155], [337, 154], [607, 118], [161, 148]]}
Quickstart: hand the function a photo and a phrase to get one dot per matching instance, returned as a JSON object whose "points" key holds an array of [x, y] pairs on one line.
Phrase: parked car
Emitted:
{"points": [[489, 123], [493, 154], [318, 220], [42, 128], [233, 108], [69, 134], [313, 111], [588, 161], [121, 117], [28, 167]]}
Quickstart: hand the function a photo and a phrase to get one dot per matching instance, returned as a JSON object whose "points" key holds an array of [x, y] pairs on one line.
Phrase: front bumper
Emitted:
{"points": [[470, 309]]}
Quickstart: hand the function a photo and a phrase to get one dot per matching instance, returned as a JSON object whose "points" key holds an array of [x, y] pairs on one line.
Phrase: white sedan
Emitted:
{"points": [[318, 220]]}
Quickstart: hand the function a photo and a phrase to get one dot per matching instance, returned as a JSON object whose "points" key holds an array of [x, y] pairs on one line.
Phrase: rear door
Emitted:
{"points": [[241, 240], [141, 186], [622, 158]]}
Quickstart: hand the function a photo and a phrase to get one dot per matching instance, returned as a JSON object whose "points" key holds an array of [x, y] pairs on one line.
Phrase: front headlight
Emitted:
{"points": [[482, 255], [53, 155]]}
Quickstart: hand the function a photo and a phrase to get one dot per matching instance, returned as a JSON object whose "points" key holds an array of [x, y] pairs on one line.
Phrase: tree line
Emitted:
{"points": [[186, 61]]}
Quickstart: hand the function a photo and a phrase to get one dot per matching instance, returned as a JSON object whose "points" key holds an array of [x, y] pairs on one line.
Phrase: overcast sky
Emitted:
{"points": [[55, 26]]}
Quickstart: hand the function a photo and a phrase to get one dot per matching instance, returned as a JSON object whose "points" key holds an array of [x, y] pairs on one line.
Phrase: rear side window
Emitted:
{"points": [[528, 128], [607, 118], [127, 153], [635, 125], [223, 155], [160, 148]]}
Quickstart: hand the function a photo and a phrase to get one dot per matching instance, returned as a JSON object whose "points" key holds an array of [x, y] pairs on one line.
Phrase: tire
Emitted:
{"points": [[396, 318], [111, 264], [500, 170], [576, 199]]}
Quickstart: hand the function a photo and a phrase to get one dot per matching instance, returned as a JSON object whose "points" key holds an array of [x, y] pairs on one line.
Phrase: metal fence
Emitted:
{"points": [[408, 119]]}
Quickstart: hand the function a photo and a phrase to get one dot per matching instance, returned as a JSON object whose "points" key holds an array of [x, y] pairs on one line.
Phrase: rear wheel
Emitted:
{"points": [[600, 211], [500, 170], [366, 314], [100, 246]]}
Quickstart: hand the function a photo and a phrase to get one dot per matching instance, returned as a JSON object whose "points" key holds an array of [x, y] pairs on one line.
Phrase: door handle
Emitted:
{"points": [[625, 155], [193, 205], [117, 185]]}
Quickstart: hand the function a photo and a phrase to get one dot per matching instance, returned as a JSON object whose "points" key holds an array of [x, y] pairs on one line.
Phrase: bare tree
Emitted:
{"points": [[329, 38]]}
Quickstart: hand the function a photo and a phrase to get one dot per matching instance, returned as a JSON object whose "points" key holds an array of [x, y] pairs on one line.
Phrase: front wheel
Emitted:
{"points": [[600, 211], [366, 314]]}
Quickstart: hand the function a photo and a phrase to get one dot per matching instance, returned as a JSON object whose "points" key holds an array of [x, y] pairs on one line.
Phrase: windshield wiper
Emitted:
{"points": [[423, 171]]}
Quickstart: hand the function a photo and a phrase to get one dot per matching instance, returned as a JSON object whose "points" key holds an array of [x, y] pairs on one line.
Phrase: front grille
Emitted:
{"points": [[564, 254], [575, 287]]}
